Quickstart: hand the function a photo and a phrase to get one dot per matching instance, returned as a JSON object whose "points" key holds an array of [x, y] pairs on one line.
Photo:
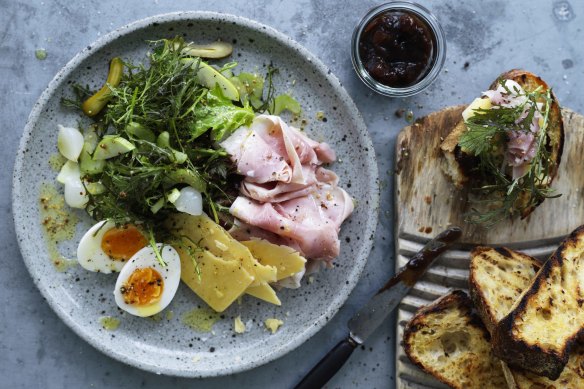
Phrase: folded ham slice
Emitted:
{"points": [[522, 145], [277, 191], [312, 221], [286, 195]]}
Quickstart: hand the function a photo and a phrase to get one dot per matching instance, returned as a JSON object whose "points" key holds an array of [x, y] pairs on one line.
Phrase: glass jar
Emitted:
{"points": [[429, 25]]}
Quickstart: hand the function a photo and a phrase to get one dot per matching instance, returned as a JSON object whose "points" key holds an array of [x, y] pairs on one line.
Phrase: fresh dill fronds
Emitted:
{"points": [[174, 124], [268, 103], [152, 242], [191, 247], [155, 107], [81, 93], [486, 138]]}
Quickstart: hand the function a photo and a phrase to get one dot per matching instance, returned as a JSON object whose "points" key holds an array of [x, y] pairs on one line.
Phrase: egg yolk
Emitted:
{"points": [[143, 287], [122, 243]]}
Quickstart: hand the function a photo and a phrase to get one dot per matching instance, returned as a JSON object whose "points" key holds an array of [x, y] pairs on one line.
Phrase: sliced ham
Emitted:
{"points": [[323, 150], [287, 197], [277, 191], [300, 219], [503, 98], [255, 159], [336, 204], [522, 145], [270, 150], [243, 231]]}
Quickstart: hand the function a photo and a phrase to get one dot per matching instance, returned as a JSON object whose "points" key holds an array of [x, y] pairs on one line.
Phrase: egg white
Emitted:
{"points": [[90, 254], [170, 273]]}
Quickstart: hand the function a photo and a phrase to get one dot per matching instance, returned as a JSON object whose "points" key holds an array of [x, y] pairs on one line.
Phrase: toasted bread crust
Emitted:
{"points": [[433, 330], [572, 376], [488, 265], [485, 282], [457, 164], [548, 353], [460, 166]]}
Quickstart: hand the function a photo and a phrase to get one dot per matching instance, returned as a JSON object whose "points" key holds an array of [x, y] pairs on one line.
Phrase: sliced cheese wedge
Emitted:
{"points": [[210, 236], [478, 103], [286, 260], [264, 292], [220, 282]]}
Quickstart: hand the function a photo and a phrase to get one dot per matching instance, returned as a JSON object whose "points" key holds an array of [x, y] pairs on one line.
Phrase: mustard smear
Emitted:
{"points": [[201, 319], [56, 162], [58, 225]]}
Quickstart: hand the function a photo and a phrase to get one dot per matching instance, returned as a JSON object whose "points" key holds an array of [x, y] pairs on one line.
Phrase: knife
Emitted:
{"points": [[364, 322]]}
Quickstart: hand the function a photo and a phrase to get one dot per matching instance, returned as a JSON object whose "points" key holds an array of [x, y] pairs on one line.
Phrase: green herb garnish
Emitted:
{"points": [[486, 138], [169, 125]]}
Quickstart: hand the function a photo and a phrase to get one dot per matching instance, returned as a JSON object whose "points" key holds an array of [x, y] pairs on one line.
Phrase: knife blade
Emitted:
{"points": [[368, 318]]}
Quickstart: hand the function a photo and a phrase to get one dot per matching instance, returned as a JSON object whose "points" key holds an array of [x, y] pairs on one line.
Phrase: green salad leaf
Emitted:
{"points": [[171, 117], [486, 138], [219, 115]]}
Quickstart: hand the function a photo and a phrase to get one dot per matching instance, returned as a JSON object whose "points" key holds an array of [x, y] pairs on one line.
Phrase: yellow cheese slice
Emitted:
{"points": [[264, 292], [220, 282], [210, 236], [478, 103], [286, 260]]}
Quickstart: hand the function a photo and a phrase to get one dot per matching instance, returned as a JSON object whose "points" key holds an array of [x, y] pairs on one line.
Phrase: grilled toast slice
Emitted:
{"points": [[497, 278], [447, 340], [572, 376], [547, 318], [462, 168]]}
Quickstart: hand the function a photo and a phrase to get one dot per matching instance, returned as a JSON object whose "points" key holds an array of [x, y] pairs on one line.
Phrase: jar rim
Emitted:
{"points": [[438, 62]]}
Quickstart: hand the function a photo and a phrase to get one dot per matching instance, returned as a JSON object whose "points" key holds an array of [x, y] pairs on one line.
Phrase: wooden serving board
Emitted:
{"points": [[426, 202]]}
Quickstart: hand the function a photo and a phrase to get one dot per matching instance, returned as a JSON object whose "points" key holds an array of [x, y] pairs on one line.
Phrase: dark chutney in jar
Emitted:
{"points": [[397, 48]]}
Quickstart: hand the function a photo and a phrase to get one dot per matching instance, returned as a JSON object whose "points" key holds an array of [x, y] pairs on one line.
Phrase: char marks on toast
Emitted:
{"points": [[498, 276], [448, 340], [548, 317]]}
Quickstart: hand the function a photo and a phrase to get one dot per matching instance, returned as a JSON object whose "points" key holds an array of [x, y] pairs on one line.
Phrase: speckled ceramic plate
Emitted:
{"points": [[166, 345]]}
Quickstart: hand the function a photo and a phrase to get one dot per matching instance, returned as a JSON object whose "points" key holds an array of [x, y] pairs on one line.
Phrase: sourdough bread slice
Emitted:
{"points": [[572, 376], [548, 316], [497, 278], [462, 168], [456, 164], [447, 340]]}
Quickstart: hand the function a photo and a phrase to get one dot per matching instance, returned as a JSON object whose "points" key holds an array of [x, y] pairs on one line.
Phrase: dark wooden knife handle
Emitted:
{"points": [[328, 366]]}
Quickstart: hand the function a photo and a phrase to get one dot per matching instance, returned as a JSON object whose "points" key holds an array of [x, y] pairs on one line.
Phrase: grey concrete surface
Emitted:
{"points": [[484, 38]]}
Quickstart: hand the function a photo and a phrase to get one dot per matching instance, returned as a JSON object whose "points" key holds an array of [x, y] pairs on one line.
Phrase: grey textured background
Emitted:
{"points": [[38, 350]]}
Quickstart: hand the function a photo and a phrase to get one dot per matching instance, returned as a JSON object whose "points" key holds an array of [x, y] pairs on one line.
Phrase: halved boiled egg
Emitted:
{"points": [[106, 248], [144, 286]]}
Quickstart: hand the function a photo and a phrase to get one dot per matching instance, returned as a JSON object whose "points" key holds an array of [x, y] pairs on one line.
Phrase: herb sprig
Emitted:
{"points": [[164, 100], [486, 138]]}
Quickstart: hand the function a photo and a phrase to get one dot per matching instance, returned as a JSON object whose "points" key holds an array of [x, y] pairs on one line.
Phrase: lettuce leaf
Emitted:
{"points": [[220, 116]]}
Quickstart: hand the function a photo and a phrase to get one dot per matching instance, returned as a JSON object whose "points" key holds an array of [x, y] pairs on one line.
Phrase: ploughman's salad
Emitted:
{"points": [[190, 173]]}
